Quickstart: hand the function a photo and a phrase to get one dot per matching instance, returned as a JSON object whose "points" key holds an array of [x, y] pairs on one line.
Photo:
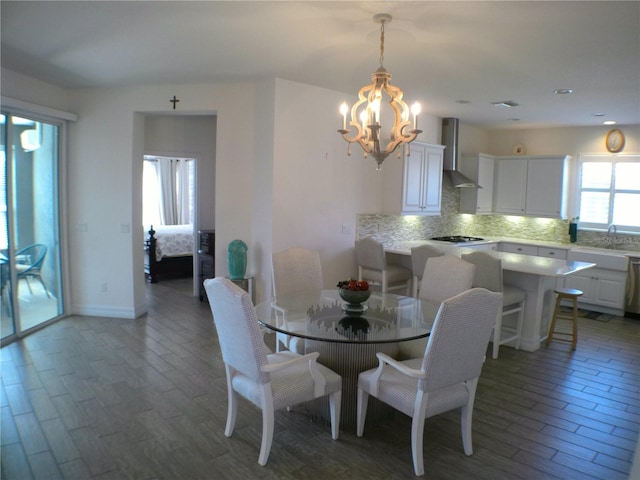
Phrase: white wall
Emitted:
{"points": [[104, 187], [317, 188], [188, 136], [32, 90], [561, 140]]}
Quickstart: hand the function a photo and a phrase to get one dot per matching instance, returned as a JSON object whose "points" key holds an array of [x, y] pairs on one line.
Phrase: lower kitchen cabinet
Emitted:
{"points": [[518, 248], [601, 287]]}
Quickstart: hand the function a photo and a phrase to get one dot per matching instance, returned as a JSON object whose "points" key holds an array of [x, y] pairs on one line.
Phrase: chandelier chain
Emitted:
{"points": [[381, 42]]}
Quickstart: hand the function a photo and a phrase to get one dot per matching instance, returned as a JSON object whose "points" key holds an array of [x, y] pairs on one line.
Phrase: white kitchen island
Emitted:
{"points": [[538, 276]]}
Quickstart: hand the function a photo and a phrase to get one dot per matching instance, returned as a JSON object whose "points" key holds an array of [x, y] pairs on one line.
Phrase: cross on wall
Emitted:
{"points": [[174, 100]]}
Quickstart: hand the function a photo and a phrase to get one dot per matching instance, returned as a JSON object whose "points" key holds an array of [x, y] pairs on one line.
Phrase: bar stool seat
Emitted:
{"points": [[571, 294]]}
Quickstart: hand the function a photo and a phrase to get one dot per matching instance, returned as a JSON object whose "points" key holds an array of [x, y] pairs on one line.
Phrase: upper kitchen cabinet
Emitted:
{"points": [[417, 190], [480, 169], [533, 186], [510, 194]]}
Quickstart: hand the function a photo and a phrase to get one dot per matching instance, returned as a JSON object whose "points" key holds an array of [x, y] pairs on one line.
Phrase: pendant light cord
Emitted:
{"points": [[381, 42]]}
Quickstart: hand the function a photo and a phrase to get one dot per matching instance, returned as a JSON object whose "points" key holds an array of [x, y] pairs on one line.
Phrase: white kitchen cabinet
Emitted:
{"points": [[422, 180], [480, 169], [547, 187], [510, 187], [600, 287], [533, 186], [518, 248], [560, 253]]}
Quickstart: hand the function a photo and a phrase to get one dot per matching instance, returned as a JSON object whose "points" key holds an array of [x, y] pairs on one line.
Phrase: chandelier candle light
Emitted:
{"points": [[368, 118]]}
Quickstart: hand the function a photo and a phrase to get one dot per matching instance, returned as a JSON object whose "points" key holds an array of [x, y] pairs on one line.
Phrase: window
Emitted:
{"points": [[609, 191], [168, 191]]}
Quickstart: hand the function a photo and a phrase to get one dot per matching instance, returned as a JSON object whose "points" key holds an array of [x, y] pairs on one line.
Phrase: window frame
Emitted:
{"points": [[612, 191]]}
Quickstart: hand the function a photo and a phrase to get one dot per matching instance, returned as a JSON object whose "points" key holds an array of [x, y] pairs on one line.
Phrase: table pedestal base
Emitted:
{"points": [[348, 360]]}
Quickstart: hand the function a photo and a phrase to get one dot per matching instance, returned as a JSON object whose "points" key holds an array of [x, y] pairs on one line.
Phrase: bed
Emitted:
{"points": [[169, 251]]}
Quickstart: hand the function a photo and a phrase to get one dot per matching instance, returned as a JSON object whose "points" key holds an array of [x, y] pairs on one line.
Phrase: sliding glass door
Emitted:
{"points": [[29, 224]]}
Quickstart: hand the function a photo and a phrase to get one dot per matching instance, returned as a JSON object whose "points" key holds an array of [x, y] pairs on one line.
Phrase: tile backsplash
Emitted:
{"points": [[389, 228]]}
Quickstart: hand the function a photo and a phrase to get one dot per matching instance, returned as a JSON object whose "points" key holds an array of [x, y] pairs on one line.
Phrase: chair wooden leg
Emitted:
{"points": [[572, 295], [363, 403], [267, 429], [575, 324], [519, 325], [335, 404], [552, 327], [232, 407], [497, 329], [417, 433]]}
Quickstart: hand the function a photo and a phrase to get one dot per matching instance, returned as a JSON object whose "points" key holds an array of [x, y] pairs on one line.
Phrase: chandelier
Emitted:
{"points": [[369, 118]]}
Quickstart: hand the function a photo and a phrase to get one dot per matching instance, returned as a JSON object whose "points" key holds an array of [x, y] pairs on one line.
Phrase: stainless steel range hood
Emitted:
{"points": [[451, 176]]}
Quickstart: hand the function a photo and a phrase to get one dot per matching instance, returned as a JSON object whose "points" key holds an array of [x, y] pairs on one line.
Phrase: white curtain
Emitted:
{"points": [[184, 188], [168, 191]]}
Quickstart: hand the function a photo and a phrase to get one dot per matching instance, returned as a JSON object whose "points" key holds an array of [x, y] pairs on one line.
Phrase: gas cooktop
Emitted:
{"points": [[457, 239]]}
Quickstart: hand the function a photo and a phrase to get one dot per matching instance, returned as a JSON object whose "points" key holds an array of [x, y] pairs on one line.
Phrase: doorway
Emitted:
{"points": [[30, 259], [188, 136]]}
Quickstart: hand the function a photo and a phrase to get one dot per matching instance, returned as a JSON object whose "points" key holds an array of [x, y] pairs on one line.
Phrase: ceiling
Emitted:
{"points": [[439, 53]]}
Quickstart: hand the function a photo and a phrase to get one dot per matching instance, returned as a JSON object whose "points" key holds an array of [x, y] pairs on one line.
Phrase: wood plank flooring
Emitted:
{"points": [[96, 398]]}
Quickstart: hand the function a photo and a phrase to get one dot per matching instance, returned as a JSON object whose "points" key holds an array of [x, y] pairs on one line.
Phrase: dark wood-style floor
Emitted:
{"points": [[96, 398]]}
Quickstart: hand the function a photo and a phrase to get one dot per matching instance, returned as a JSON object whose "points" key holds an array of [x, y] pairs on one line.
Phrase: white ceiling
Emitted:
{"points": [[437, 52]]}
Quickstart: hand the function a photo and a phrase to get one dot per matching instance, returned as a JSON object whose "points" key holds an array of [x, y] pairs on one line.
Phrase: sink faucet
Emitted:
{"points": [[611, 242]]}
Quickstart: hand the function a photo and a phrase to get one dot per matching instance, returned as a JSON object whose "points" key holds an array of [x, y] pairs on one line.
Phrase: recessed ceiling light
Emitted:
{"points": [[598, 114], [504, 104], [563, 91], [463, 102], [609, 122]]}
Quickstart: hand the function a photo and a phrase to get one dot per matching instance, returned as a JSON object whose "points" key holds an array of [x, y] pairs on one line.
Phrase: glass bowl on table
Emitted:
{"points": [[355, 293]]}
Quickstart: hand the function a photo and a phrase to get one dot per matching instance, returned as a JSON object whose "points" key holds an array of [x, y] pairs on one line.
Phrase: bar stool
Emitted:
{"points": [[569, 294]]}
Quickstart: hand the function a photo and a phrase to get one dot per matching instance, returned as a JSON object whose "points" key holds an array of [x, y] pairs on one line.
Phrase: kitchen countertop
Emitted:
{"points": [[515, 262], [521, 241], [564, 246]]}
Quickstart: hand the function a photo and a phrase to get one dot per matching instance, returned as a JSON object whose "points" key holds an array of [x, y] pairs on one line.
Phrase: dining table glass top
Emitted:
{"points": [[323, 315]]}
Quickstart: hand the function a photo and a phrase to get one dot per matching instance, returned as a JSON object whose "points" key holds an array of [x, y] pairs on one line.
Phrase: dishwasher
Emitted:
{"points": [[632, 306]]}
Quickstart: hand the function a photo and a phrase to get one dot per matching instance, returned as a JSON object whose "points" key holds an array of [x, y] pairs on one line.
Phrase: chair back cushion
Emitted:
{"points": [[459, 338], [370, 254], [488, 270], [237, 326], [419, 257], [445, 277], [295, 270]]}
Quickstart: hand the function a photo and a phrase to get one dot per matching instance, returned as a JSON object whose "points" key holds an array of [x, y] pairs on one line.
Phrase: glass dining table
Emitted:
{"points": [[348, 338]]}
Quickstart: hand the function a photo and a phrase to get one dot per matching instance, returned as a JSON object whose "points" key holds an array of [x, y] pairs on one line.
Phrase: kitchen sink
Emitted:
{"points": [[608, 259]]}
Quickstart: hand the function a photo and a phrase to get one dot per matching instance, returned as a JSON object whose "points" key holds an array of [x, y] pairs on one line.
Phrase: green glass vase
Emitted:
{"points": [[237, 259]]}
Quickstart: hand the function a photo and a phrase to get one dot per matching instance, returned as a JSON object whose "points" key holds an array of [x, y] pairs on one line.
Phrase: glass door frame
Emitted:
{"points": [[58, 119]]}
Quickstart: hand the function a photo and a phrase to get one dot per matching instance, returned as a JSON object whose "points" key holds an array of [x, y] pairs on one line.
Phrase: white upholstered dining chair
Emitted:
{"points": [[294, 270], [373, 267], [488, 275], [444, 378], [443, 277], [419, 257], [269, 381]]}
